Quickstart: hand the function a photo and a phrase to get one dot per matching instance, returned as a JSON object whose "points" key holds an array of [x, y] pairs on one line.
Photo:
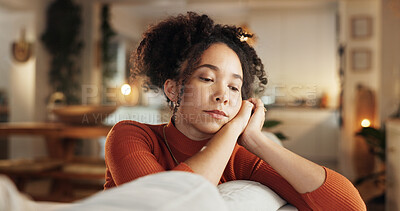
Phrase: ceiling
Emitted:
{"points": [[171, 4], [152, 9]]}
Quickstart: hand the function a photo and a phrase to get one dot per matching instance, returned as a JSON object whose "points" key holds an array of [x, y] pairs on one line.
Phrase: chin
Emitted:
{"points": [[210, 127]]}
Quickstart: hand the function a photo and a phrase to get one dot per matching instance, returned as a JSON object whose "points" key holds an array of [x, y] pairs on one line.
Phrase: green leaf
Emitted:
{"points": [[281, 136], [376, 139], [271, 123]]}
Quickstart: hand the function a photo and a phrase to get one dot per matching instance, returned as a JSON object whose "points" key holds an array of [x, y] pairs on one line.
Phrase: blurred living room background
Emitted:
{"points": [[333, 94]]}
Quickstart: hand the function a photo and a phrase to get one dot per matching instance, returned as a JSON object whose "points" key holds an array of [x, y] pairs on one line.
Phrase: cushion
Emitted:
{"points": [[171, 190], [11, 199], [249, 195]]}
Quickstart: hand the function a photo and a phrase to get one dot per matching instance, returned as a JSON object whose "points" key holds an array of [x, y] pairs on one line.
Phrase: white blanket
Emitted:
{"points": [[172, 190]]}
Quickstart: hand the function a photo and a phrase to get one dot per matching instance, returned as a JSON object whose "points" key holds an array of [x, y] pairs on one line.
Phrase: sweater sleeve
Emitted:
{"points": [[129, 152], [336, 193]]}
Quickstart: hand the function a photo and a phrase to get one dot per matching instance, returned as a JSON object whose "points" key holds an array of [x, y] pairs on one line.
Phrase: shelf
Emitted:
{"points": [[53, 168]]}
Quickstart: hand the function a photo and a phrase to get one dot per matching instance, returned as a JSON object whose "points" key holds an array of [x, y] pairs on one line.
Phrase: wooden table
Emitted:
{"points": [[60, 138]]}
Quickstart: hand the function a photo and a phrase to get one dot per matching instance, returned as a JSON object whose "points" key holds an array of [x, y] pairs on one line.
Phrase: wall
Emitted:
{"points": [[126, 22], [383, 76], [91, 72], [390, 66], [16, 78], [390, 97], [348, 9], [298, 46], [19, 79], [297, 65], [311, 133], [5, 57]]}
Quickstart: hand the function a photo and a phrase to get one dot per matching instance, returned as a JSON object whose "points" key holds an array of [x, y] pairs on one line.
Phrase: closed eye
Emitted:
{"points": [[206, 79], [234, 88]]}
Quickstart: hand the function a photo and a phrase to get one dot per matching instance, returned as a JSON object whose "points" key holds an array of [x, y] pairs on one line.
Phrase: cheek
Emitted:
{"points": [[194, 96], [236, 100], [236, 104]]}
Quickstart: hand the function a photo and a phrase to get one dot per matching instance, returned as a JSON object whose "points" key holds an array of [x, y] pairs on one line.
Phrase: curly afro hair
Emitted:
{"points": [[184, 38]]}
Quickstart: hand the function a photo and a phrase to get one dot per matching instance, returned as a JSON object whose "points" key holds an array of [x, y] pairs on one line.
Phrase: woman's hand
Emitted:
{"points": [[240, 121], [211, 161], [254, 126]]}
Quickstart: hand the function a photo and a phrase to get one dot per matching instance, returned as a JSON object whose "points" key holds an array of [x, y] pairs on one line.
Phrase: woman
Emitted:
{"points": [[207, 72]]}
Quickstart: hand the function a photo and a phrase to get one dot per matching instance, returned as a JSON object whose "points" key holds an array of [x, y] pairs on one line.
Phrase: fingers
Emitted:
{"points": [[258, 116], [259, 105], [246, 108], [244, 113]]}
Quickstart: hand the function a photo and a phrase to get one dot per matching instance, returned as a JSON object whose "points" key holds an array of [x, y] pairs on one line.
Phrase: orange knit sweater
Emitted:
{"points": [[134, 150]]}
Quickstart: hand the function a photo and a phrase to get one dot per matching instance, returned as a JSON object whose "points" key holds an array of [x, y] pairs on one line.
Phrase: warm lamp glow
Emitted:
{"points": [[365, 123], [126, 89]]}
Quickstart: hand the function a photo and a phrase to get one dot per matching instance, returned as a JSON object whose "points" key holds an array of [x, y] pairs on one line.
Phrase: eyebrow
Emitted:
{"points": [[215, 68]]}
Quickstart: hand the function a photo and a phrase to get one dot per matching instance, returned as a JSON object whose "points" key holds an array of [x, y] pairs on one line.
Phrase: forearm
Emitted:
{"points": [[212, 161], [304, 175]]}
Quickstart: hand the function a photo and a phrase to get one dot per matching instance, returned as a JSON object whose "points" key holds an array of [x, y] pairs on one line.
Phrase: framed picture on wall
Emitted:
{"points": [[361, 27], [361, 59]]}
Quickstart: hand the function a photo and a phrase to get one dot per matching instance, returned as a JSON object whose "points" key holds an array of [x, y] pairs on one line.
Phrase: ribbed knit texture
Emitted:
{"points": [[134, 150]]}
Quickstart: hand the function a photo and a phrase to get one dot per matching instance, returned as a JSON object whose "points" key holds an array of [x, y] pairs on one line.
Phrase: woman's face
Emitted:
{"points": [[212, 95]]}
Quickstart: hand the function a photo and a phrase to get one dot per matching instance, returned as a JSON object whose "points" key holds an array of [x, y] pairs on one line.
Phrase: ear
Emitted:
{"points": [[171, 90]]}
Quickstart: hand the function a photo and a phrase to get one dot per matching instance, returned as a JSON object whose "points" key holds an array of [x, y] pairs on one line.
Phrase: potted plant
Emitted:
{"points": [[273, 123], [61, 39], [108, 54]]}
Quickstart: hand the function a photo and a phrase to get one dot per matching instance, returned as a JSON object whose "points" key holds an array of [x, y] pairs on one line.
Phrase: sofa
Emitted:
{"points": [[166, 191]]}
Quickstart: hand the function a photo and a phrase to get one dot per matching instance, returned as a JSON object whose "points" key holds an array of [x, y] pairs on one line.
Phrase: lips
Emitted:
{"points": [[216, 114]]}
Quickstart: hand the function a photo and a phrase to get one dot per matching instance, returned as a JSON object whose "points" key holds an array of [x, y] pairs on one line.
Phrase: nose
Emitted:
{"points": [[220, 95]]}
